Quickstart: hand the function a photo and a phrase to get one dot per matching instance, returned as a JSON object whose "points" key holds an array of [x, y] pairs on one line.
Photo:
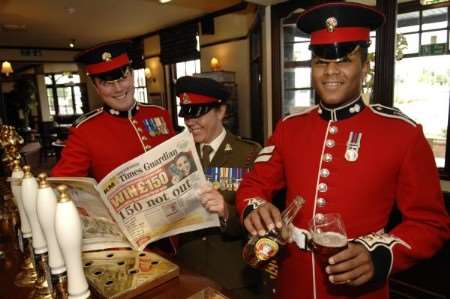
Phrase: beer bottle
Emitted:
{"points": [[259, 250]]}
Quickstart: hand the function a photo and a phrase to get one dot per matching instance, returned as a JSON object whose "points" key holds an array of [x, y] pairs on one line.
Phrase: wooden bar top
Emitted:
{"points": [[182, 287]]}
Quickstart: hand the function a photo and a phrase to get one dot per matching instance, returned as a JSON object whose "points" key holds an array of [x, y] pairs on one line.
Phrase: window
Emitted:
{"points": [[140, 86], [297, 92], [422, 84], [186, 68], [64, 94]]}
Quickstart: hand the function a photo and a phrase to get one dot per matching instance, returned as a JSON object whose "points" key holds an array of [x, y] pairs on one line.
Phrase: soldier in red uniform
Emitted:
{"points": [[346, 157], [122, 129]]}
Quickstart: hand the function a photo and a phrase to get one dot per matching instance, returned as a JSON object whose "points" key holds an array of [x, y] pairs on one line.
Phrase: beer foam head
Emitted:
{"points": [[330, 239]]}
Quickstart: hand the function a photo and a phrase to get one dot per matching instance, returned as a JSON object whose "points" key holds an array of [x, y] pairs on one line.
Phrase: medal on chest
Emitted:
{"points": [[225, 178], [156, 126], [353, 145]]}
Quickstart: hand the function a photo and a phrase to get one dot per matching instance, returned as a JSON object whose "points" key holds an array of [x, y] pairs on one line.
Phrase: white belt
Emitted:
{"points": [[301, 237]]}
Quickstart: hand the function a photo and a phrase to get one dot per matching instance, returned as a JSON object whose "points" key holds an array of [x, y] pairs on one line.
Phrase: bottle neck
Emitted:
{"points": [[289, 213]]}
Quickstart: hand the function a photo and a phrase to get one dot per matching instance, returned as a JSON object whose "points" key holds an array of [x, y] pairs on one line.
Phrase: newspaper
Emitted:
{"points": [[150, 197], [99, 229]]}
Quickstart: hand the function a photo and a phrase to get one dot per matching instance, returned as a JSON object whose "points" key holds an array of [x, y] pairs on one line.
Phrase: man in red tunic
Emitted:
{"points": [[119, 131], [345, 157]]}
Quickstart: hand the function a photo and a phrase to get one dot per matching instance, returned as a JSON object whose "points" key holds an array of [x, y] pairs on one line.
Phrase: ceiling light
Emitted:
{"points": [[164, 1], [70, 10]]}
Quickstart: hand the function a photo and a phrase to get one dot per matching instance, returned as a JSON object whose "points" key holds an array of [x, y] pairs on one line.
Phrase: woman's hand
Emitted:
{"points": [[213, 201]]}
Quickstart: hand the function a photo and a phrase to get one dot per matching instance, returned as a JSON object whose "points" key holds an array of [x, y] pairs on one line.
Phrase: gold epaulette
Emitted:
{"points": [[300, 113], [391, 112], [87, 116], [151, 106]]}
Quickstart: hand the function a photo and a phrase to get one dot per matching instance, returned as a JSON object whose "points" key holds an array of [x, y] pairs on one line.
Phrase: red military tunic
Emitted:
{"points": [[393, 165], [106, 138]]}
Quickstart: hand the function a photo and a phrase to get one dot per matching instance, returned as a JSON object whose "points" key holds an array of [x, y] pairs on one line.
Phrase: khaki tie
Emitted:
{"points": [[206, 150]]}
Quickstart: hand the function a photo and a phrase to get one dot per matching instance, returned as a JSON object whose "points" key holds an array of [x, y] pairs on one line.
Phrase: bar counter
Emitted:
{"points": [[181, 287]]}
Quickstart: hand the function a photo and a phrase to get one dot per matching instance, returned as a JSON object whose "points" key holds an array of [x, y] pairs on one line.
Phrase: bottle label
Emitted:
{"points": [[266, 248]]}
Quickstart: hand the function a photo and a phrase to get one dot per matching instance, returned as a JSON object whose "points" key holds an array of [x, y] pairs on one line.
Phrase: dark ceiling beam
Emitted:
{"points": [[23, 68], [39, 48], [232, 9]]}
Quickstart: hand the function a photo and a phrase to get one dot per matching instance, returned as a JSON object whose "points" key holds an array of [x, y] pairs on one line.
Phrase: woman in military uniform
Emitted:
{"points": [[216, 252]]}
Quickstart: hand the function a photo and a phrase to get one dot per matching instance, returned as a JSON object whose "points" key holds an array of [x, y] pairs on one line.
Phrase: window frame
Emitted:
{"points": [[140, 89], [292, 64], [420, 31], [174, 76], [53, 89], [444, 172]]}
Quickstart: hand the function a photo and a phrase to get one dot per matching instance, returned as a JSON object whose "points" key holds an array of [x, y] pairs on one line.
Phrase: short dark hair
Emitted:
{"points": [[364, 53], [217, 106]]}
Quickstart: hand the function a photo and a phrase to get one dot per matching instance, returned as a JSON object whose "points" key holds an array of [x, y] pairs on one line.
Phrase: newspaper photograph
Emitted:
{"points": [[98, 227], [155, 195]]}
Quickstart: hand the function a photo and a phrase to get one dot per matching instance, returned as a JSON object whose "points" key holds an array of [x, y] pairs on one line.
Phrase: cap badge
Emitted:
{"points": [[331, 23], [185, 99], [106, 56]]}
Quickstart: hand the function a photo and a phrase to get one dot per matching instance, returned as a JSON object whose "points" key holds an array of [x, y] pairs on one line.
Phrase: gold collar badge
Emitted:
{"points": [[228, 147], [106, 56], [185, 99], [331, 23]]}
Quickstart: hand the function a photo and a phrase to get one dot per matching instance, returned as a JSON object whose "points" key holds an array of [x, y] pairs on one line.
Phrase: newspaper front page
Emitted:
{"points": [[98, 227], [155, 195]]}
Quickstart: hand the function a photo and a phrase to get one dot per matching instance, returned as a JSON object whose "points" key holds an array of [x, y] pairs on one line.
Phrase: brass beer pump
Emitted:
{"points": [[10, 141], [42, 288], [46, 208]]}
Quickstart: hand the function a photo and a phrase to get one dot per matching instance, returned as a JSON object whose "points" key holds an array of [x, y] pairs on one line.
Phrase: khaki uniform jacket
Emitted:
{"points": [[216, 252]]}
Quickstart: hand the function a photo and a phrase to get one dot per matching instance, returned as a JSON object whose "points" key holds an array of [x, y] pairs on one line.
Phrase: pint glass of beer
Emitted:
{"points": [[328, 235]]}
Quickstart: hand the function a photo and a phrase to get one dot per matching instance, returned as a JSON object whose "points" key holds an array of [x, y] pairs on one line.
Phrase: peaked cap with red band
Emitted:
{"points": [[199, 95], [337, 28], [106, 59]]}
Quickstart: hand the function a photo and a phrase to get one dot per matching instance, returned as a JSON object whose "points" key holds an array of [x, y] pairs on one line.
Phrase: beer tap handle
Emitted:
{"points": [[29, 193], [46, 208], [16, 188], [69, 236]]}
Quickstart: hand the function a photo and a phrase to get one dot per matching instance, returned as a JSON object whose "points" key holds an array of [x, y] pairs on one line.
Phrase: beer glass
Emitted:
{"points": [[328, 235]]}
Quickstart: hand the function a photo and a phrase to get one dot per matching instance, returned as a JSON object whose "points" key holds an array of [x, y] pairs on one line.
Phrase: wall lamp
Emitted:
{"points": [[148, 74], [6, 68], [215, 64]]}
